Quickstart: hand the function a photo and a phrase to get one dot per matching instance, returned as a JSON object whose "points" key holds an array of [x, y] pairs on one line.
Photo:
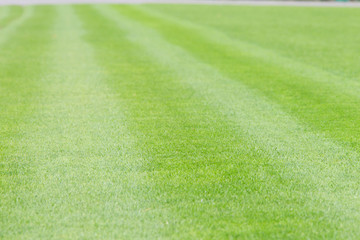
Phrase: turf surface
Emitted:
{"points": [[179, 122]]}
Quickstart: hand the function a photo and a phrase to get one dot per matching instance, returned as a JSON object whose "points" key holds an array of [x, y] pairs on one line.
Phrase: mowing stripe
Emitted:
{"points": [[85, 169], [176, 131], [195, 151], [298, 95], [11, 28], [325, 169], [117, 133], [14, 12], [328, 79]]}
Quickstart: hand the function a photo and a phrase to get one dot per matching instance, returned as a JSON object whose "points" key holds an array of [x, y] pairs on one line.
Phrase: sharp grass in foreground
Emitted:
{"points": [[180, 122]]}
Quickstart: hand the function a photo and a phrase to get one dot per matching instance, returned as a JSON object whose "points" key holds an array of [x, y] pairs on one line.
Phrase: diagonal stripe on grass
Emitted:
{"points": [[11, 14], [327, 79], [196, 159], [326, 108], [123, 131], [10, 29], [311, 164]]}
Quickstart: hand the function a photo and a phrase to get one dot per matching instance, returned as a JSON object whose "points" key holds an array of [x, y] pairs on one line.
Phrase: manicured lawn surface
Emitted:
{"points": [[179, 122]]}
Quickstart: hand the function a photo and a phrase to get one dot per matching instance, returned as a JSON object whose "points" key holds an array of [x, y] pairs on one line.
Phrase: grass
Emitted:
{"points": [[179, 122]]}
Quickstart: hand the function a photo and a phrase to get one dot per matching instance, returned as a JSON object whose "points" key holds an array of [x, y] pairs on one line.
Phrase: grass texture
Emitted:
{"points": [[179, 122]]}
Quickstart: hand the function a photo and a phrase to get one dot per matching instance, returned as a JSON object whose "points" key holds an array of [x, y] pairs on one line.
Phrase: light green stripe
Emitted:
{"points": [[320, 163], [83, 161], [10, 30]]}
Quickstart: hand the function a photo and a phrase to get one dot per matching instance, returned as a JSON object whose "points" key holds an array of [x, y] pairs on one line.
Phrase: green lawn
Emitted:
{"points": [[179, 122]]}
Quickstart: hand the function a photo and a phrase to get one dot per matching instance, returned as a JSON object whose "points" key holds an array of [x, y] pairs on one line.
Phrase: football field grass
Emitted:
{"points": [[179, 122]]}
